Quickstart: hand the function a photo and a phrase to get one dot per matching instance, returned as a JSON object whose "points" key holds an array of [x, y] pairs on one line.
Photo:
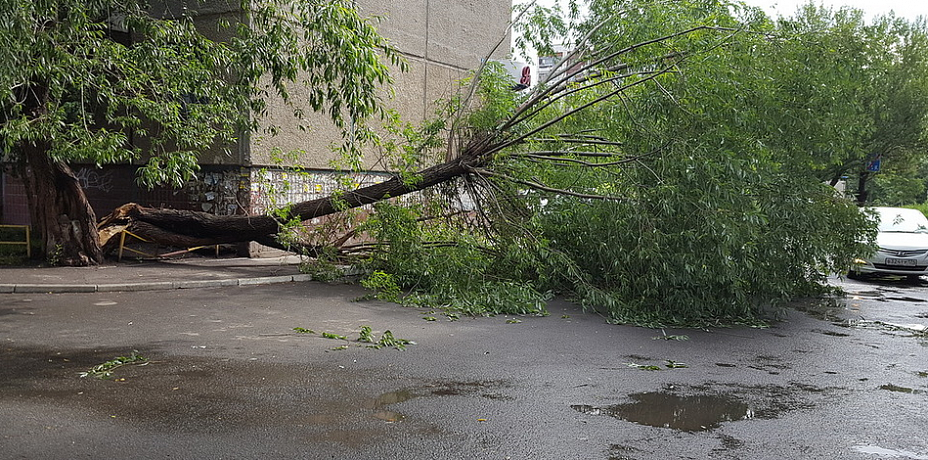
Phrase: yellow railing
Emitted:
{"points": [[21, 243], [122, 245]]}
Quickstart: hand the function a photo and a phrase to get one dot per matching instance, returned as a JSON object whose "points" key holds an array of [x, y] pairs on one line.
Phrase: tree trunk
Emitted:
{"points": [[862, 194], [60, 211], [190, 228]]}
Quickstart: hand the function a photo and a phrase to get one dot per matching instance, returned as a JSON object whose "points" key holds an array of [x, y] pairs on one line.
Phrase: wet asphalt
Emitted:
{"points": [[228, 377]]}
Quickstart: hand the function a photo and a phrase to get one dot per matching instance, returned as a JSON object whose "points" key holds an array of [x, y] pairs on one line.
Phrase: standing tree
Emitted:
{"points": [[872, 96], [85, 80]]}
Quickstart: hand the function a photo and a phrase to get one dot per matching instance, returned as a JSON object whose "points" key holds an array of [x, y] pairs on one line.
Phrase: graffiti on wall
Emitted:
{"points": [[92, 179], [272, 189], [219, 192], [256, 191]]}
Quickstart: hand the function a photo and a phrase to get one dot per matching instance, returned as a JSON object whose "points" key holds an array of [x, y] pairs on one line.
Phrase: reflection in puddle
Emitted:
{"points": [[667, 410], [393, 397], [889, 453], [874, 294], [905, 330], [440, 389], [827, 309], [831, 333], [386, 399], [907, 299], [835, 309], [899, 389], [620, 452], [388, 416]]}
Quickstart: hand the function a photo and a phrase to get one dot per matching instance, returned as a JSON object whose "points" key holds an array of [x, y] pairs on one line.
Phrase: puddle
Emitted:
{"points": [[668, 410], [828, 309], [379, 404], [388, 416], [729, 443], [889, 453], [621, 452], [770, 364], [898, 389], [874, 294], [195, 394], [837, 309], [907, 299], [694, 408], [386, 399], [904, 330], [831, 333]]}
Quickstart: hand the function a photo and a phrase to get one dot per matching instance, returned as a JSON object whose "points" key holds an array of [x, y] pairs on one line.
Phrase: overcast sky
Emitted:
{"points": [[909, 9], [905, 8]]}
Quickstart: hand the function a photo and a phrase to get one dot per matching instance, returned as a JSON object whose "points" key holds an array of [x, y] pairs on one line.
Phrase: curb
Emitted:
{"points": [[153, 286]]}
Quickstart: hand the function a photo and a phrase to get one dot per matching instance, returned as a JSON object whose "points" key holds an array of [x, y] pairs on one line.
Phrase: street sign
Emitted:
{"points": [[874, 164]]}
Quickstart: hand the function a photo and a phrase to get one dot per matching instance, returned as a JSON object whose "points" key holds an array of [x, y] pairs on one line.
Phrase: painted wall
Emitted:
{"points": [[441, 40]]}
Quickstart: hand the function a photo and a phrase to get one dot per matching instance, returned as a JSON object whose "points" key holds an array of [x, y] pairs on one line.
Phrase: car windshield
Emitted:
{"points": [[902, 220]]}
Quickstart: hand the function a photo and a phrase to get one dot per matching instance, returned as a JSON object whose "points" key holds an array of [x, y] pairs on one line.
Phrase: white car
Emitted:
{"points": [[903, 244]]}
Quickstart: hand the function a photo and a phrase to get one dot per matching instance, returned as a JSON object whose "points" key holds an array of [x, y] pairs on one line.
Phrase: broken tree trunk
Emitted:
{"points": [[59, 209], [191, 228], [61, 213]]}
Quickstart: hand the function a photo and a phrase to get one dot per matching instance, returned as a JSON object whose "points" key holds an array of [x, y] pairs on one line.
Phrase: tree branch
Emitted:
{"points": [[521, 138], [560, 153], [539, 186]]}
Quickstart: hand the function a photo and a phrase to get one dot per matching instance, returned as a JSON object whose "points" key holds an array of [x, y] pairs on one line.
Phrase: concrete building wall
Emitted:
{"points": [[440, 39], [212, 20]]}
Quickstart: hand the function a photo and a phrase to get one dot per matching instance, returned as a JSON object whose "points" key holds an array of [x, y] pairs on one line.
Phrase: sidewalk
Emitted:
{"points": [[152, 276]]}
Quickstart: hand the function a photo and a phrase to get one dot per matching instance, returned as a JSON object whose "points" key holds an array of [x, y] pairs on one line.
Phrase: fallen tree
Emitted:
{"points": [[191, 228], [469, 151], [659, 182]]}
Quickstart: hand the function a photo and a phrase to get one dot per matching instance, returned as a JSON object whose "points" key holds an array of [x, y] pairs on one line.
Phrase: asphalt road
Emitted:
{"points": [[228, 377]]}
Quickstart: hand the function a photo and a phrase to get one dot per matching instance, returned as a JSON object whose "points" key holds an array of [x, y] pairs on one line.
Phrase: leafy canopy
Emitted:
{"points": [[107, 81]]}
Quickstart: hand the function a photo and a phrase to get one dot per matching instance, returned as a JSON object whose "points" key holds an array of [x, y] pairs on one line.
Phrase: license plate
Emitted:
{"points": [[900, 262]]}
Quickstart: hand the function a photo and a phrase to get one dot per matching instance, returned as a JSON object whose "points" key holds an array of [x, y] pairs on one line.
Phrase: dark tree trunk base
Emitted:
{"points": [[61, 213]]}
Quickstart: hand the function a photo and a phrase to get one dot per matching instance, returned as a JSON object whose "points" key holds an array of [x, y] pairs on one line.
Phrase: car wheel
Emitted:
{"points": [[913, 278], [854, 275]]}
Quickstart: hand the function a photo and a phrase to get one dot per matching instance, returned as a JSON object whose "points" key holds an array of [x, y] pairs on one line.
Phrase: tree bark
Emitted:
{"points": [[862, 194], [191, 228], [60, 211]]}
